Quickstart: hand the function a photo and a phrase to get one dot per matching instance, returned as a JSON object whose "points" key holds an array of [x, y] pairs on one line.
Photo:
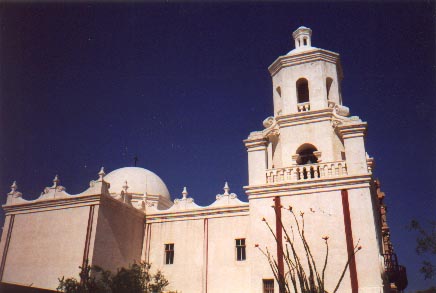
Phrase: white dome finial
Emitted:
{"points": [[302, 37]]}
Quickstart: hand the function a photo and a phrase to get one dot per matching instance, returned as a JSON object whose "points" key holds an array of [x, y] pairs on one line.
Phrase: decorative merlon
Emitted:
{"points": [[14, 196], [226, 198], [124, 196], [184, 203], [98, 186], [55, 191]]}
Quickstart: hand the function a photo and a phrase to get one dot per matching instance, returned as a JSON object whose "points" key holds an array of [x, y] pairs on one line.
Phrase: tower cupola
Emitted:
{"points": [[306, 78], [302, 37]]}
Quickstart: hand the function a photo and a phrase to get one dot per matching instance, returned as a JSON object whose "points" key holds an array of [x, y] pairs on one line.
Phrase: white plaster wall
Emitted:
{"points": [[369, 261], [45, 246], [186, 273], [323, 216], [257, 162], [225, 273], [356, 155], [119, 236]]}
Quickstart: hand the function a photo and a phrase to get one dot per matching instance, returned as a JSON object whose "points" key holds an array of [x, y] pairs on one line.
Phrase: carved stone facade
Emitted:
{"points": [[310, 155]]}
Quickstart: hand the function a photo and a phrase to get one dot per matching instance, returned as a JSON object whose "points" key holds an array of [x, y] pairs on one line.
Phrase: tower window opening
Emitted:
{"points": [[302, 90], [328, 84], [305, 41], [306, 154], [279, 91]]}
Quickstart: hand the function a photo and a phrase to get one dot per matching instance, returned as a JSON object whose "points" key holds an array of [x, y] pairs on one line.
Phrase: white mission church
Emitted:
{"points": [[310, 155]]}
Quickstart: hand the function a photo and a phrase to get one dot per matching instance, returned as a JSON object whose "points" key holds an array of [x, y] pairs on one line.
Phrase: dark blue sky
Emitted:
{"points": [[181, 85]]}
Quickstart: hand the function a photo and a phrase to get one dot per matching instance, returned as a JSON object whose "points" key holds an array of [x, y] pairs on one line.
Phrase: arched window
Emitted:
{"points": [[302, 90], [279, 91], [306, 154], [305, 41], [328, 84]]}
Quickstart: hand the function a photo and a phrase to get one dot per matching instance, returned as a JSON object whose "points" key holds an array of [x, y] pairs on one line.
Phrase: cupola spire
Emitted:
{"points": [[302, 37]]}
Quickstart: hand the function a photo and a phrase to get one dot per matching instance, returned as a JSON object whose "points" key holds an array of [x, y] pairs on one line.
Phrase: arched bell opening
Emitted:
{"points": [[328, 85], [306, 154], [302, 90]]}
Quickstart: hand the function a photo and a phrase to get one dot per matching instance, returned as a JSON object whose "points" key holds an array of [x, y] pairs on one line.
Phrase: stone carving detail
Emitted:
{"points": [[268, 122], [342, 110], [340, 117]]}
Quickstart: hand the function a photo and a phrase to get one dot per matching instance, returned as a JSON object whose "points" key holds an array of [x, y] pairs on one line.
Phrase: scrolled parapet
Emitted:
{"points": [[54, 192]]}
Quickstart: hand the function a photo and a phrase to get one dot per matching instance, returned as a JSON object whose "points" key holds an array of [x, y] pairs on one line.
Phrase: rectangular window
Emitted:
{"points": [[240, 249], [268, 286], [169, 253]]}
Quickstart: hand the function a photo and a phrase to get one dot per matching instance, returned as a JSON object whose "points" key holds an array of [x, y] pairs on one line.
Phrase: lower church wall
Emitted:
{"points": [[323, 216], [118, 237], [204, 254], [45, 246]]}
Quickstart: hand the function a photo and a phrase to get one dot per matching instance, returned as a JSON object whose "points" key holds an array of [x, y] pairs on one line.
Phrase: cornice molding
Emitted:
{"points": [[67, 203], [206, 212], [255, 143], [305, 57], [305, 117], [353, 130]]}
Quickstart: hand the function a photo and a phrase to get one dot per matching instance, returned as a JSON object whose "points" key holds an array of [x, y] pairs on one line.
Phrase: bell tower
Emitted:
{"points": [[310, 125], [311, 156]]}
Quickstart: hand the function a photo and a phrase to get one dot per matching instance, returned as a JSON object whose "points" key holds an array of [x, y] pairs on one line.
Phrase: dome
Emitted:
{"points": [[139, 181]]}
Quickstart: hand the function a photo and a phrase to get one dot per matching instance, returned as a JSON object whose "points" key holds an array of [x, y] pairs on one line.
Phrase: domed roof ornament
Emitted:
{"points": [[14, 196]]}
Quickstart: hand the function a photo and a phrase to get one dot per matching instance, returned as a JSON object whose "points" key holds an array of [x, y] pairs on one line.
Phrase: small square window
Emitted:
{"points": [[240, 249], [169, 253], [268, 286]]}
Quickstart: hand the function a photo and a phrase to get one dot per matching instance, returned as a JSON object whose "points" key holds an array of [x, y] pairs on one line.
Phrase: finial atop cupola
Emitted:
{"points": [[302, 37]]}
